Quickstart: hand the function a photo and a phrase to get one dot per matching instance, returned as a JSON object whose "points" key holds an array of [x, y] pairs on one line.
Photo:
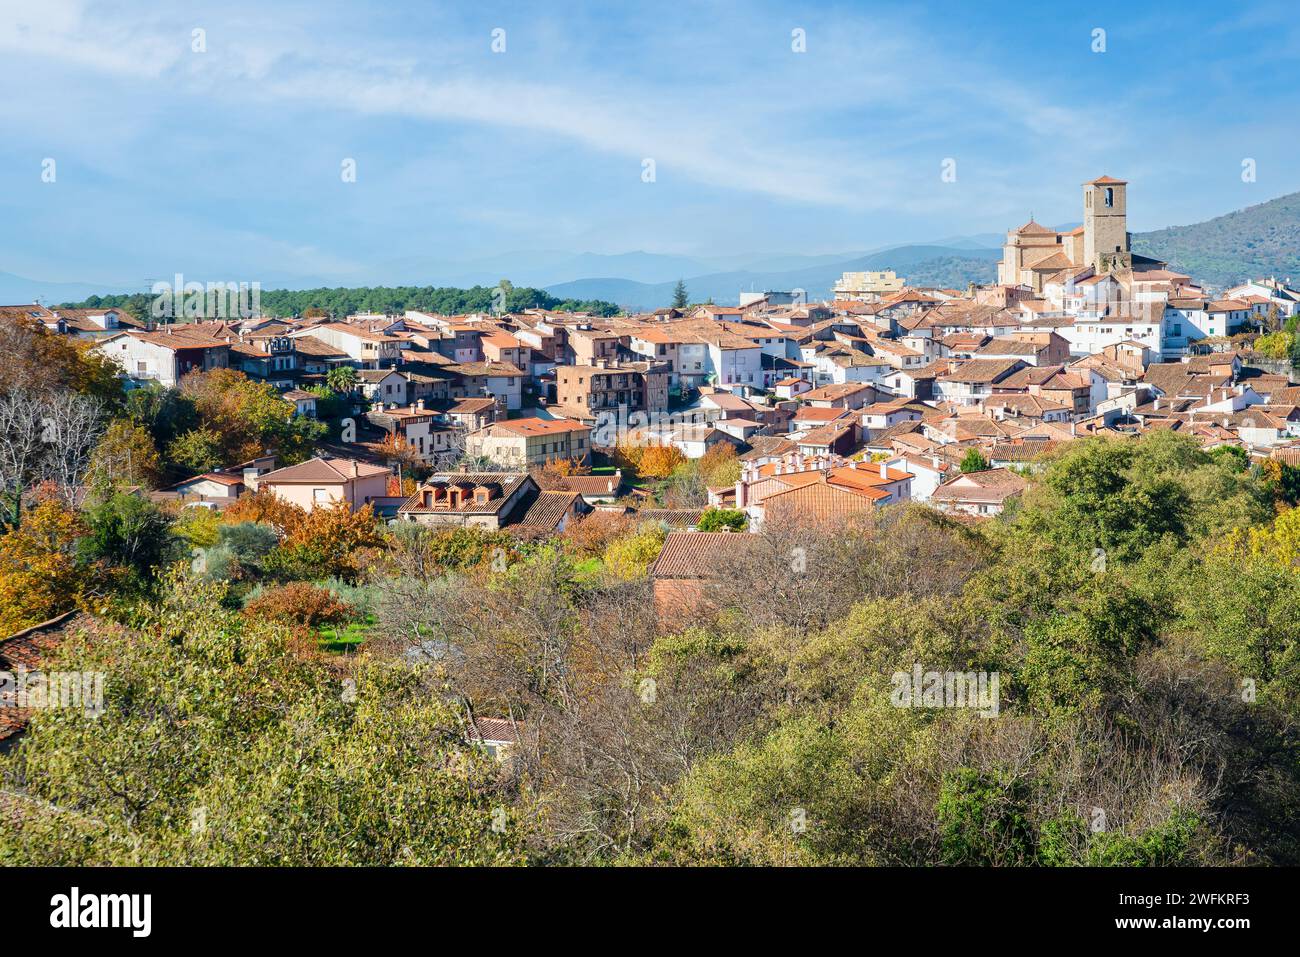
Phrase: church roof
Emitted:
{"points": [[1106, 181], [1033, 227]]}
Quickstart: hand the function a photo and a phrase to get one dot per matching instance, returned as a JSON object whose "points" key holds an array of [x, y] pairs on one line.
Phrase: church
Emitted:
{"points": [[1033, 253]]}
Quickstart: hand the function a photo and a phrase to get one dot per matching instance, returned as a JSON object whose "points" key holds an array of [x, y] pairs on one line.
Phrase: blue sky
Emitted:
{"points": [[226, 164]]}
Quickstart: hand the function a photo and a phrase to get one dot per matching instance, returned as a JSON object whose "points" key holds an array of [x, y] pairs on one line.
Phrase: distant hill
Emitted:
{"points": [[1261, 240], [921, 265], [19, 290]]}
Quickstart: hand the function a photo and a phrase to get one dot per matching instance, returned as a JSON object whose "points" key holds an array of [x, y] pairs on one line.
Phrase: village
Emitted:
{"points": [[884, 394], [515, 504]]}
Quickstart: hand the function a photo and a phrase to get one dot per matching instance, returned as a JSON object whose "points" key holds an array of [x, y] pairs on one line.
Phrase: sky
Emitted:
{"points": [[214, 139]]}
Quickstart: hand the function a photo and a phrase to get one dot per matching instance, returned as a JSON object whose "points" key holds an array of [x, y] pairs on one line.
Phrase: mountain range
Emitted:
{"points": [[1256, 241]]}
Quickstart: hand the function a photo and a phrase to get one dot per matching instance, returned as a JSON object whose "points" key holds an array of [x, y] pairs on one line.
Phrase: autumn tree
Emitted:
{"points": [[659, 461], [300, 603], [40, 574], [125, 455], [37, 360], [248, 418]]}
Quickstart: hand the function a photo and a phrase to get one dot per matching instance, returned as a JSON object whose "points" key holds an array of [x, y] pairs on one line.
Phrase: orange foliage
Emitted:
{"points": [[300, 603], [39, 575], [659, 461], [266, 507], [404, 487]]}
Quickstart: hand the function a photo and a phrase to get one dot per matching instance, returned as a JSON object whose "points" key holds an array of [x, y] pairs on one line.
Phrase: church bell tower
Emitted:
{"points": [[1105, 225]]}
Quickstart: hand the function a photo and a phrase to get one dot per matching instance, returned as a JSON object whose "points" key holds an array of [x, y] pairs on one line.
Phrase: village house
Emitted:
{"points": [[490, 500], [978, 493], [322, 481], [167, 354], [525, 443]]}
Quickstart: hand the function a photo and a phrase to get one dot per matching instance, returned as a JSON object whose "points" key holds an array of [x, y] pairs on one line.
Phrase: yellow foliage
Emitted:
{"points": [[659, 461], [1281, 543], [39, 576]]}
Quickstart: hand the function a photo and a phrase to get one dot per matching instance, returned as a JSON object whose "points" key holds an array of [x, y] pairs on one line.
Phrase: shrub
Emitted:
{"points": [[300, 603]]}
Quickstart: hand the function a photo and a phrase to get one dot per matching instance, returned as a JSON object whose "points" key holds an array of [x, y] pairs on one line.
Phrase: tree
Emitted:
{"points": [[40, 575], [198, 450], [397, 450], [659, 461], [248, 418], [72, 425], [723, 519], [974, 461], [238, 553], [47, 435], [21, 449], [325, 542], [300, 603], [131, 532], [629, 557], [341, 379], [125, 455], [222, 740], [39, 361], [680, 297]]}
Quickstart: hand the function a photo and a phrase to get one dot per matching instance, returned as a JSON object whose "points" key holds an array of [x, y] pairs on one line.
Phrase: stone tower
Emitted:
{"points": [[1105, 225]]}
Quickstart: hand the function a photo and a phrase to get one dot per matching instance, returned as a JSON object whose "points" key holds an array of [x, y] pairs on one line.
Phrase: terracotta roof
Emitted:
{"points": [[591, 484], [820, 501], [27, 649], [548, 510], [991, 486], [535, 426], [322, 469], [699, 554], [981, 370], [504, 483]]}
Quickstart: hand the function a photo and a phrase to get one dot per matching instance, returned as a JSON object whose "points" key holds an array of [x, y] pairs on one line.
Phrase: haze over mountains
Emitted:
{"points": [[1258, 240]]}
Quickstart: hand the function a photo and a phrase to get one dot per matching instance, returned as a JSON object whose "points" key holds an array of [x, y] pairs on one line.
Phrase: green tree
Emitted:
{"points": [[974, 461], [131, 532], [198, 450], [221, 743], [341, 379], [680, 297], [720, 519]]}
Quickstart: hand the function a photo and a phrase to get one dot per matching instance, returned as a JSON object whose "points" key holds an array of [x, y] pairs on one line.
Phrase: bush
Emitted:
{"points": [[722, 519], [302, 604]]}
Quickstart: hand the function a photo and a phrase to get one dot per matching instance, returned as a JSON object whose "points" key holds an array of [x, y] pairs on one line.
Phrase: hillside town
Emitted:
{"points": [[884, 394], [630, 586]]}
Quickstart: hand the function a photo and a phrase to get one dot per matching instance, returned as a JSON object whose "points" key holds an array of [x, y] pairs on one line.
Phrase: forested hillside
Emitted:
{"points": [[1257, 241]]}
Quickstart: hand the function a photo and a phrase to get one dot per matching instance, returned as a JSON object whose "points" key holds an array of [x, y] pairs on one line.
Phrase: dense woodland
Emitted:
{"points": [[296, 688], [383, 300]]}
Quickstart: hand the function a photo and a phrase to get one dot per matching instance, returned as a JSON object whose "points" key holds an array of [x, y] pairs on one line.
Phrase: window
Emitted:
{"points": [[1110, 196], [320, 495]]}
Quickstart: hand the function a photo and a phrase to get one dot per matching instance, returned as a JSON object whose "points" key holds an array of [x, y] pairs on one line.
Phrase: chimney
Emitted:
{"points": [[353, 470], [884, 470], [419, 404]]}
